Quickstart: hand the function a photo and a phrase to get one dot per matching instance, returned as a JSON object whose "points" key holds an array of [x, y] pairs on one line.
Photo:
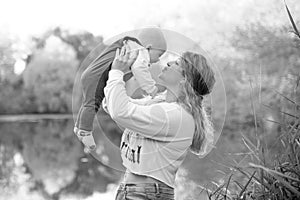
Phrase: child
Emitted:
{"points": [[151, 46]]}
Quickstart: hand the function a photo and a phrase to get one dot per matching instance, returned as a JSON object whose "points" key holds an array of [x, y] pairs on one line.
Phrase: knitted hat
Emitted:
{"points": [[153, 37]]}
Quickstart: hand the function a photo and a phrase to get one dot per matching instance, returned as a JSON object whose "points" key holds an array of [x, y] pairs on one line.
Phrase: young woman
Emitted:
{"points": [[159, 133]]}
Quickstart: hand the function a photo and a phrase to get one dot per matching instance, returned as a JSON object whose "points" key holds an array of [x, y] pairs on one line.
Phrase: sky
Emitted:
{"points": [[111, 17], [207, 22]]}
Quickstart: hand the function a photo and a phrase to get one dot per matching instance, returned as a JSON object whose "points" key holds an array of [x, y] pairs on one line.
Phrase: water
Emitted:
{"points": [[42, 159]]}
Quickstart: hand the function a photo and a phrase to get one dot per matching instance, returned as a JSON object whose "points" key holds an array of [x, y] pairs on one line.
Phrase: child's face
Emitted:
{"points": [[155, 54]]}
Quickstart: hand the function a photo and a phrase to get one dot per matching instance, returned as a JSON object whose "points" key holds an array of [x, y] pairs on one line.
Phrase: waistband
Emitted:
{"points": [[147, 187]]}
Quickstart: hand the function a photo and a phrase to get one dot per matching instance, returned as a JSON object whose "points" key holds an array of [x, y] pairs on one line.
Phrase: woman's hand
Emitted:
{"points": [[124, 58]]}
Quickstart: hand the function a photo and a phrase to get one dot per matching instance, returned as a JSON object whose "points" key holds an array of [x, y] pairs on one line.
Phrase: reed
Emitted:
{"points": [[260, 179]]}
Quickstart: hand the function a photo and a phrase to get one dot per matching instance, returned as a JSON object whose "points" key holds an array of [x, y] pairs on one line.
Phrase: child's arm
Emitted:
{"points": [[141, 73], [140, 69]]}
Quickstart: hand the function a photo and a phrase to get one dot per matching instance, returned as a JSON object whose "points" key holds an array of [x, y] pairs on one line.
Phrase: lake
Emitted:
{"points": [[41, 158]]}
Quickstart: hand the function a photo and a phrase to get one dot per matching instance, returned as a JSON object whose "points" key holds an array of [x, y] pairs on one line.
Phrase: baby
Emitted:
{"points": [[151, 45]]}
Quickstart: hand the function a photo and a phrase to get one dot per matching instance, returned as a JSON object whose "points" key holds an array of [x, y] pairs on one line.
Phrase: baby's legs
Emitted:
{"points": [[78, 116], [87, 111], [93, 81], [84, 123]]}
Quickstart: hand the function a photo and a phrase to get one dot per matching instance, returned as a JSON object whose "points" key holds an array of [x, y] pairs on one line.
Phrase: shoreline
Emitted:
{"points": [[33, 117]]}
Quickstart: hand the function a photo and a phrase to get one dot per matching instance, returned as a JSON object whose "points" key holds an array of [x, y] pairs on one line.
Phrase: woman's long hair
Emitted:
{"points": [[199, 81]]}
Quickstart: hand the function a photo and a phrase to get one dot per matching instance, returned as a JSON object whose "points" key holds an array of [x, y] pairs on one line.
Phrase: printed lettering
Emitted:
{"points": [[133, 151], [123, 144], [126, 154], [138, 154], [133, 155]]}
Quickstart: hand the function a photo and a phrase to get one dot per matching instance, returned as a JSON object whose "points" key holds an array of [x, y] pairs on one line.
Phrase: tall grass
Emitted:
{"points": [[259, 179]]}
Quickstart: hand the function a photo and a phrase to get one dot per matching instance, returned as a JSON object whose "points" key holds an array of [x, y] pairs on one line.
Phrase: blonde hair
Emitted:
{"points": [[199, 81]]}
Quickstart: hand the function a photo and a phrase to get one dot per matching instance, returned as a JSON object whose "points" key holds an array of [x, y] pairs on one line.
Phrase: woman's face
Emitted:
{"points": [[172, 74]]}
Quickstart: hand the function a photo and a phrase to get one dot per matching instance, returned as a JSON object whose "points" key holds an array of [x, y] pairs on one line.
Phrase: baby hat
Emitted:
{"points": [[153, 37]]}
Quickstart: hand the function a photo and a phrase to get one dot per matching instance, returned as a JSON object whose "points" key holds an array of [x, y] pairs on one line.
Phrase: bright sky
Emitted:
{"points": [[111, 17], [107, 18], [204, 21]]}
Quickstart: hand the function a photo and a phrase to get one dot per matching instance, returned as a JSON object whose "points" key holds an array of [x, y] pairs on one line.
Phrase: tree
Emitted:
{"points": [[50, 75], [264, 67]]}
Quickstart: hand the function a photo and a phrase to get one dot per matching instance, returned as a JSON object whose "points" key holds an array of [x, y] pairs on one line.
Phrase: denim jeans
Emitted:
{"points": [[144, 191]]}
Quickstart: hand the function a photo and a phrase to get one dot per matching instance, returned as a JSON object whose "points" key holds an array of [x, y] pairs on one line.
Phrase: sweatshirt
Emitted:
{"points": [[156, 136]]}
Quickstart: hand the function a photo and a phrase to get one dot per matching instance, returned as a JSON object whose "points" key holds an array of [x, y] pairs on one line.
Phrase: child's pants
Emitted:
{"points": [[93, 81]]}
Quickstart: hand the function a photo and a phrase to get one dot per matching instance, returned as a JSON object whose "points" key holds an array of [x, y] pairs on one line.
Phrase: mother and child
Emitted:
{"points": [[160, 130]]}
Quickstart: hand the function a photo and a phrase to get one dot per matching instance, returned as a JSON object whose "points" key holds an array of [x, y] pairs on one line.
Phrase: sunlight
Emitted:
{"points": [[19, 66]]}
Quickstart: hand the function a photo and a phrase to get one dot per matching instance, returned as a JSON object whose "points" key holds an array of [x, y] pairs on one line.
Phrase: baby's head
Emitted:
{"points": [[153, 39]]}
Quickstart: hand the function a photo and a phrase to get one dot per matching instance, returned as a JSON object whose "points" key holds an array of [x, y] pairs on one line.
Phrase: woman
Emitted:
{"points": [[158, 133]]}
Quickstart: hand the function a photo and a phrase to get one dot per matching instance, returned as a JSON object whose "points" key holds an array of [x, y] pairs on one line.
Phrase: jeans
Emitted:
{"points": [[144, 191]]}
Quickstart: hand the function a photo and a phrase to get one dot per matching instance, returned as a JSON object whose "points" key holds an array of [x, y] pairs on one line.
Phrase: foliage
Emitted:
{"points": [[15, 98], [264, 177], [47, 82], [50, 75], [272, 169]]}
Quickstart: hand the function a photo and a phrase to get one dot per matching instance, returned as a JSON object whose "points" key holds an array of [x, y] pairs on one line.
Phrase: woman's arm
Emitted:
{"points": [[158, 121], [161, 121], [142, 101]]}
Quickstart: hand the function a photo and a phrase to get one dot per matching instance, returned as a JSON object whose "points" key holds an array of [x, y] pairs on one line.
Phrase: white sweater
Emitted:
{"points": [[140, 68], [156, 137]]}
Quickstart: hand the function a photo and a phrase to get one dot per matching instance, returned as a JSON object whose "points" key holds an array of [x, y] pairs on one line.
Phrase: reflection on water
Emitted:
{"points": [[45, 158]]}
